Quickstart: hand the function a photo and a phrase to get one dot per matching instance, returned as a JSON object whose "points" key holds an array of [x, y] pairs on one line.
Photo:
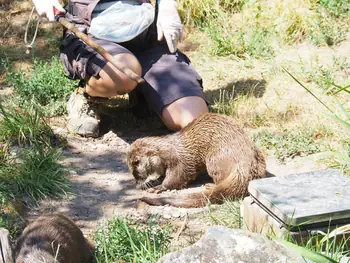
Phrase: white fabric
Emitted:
{"points": [[45, 8], [103, 6], [122, 21], [169, 24]]}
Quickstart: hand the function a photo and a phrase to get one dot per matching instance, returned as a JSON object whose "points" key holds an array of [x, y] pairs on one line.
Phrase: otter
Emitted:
{"points": [[213, 143], [53, 238]]}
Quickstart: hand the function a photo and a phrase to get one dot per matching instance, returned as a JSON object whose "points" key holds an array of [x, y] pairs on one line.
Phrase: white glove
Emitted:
{"points": [[45, 8], [169, 24]]}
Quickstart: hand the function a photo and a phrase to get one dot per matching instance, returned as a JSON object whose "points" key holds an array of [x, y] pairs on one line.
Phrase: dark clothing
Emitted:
{"points": [[168, 77]]}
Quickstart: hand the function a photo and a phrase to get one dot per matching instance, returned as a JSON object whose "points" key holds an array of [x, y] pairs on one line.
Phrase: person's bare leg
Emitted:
{"points": [[113, 82], [182, 111], [83, 116]]}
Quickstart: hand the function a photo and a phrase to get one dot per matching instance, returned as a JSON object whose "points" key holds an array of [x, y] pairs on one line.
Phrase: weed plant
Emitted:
{"points": [[34, 174], [10, 222], [24, 125], [119, 241], [289, 143], [228, 214], [46, 84], [259, 28], [29, 164], [341, 158], [330, 247]]}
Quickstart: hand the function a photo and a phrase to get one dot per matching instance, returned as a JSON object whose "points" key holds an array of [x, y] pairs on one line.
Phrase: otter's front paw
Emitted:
{"points": [[157, 189], [209, 187]]}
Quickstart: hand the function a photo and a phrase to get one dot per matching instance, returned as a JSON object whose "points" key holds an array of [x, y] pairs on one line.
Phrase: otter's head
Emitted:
{"points": [[36, 255], [145, 164]]}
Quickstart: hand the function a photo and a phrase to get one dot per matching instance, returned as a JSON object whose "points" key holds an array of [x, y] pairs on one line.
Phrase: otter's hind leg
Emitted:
{"points": [[178, 177], [220, 166]]}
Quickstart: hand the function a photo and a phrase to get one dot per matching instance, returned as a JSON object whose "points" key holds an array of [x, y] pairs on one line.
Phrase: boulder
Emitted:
{"points": [[224, 245]]}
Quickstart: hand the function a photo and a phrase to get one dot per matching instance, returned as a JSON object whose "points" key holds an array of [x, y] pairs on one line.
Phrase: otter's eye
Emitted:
{"points": [[136, 162]]}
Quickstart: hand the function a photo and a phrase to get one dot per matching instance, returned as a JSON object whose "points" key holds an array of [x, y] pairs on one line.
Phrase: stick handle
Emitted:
{"points": [[128, 72]]}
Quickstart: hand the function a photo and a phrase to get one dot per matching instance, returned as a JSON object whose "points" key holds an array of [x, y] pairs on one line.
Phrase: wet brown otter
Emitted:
{"points": [[212, 142], [53, 238]]}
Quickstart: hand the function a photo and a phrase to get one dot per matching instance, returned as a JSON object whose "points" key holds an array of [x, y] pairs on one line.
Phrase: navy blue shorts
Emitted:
{"points": [[168, 77]]}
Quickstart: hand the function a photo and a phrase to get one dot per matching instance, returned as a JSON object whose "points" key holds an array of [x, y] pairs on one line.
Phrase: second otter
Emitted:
{"points": [[53, 238], [212, 143]]}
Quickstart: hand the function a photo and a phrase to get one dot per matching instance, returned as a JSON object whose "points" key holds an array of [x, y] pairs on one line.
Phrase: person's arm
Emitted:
{"points": [[169, 23], [45, 8]]}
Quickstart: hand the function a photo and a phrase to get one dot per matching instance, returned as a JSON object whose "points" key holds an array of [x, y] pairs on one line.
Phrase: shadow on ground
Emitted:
{"points": [[248, 87]]}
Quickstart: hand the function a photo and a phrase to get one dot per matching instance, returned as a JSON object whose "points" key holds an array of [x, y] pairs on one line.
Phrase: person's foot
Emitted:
{"points": [[83, 117]]}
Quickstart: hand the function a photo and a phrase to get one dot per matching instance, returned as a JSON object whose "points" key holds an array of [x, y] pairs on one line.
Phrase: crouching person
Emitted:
{"points": [[172, 88]]}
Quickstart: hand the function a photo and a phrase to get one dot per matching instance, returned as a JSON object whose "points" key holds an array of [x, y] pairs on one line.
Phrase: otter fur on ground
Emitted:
{"points": [[214, 143], [53, 238]]}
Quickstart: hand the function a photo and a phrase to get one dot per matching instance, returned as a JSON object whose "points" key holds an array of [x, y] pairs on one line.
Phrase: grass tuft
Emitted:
{"points": [[228, 214], [24, 125], [289, 143], [46, 84], [321, 247], [35, 174], [260, 28], [119, 241], [29, 164]]}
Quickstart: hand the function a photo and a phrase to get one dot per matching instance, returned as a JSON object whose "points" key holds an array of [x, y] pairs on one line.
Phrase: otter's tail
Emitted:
{"points": [[233, 186]]}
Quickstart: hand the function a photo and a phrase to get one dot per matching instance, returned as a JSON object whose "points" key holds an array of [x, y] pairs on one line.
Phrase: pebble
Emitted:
{"points": [[167, 215], [175, 213]]}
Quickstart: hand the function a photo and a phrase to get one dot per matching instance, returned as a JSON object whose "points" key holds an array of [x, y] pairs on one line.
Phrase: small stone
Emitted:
{"points": [[167, 216], [140, 205], [175, 213], [73, 173], [167, 209]]}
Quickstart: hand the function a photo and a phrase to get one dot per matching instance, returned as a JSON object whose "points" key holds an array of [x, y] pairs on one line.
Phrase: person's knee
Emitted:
{"points": [[180, 113], [111, 81]]}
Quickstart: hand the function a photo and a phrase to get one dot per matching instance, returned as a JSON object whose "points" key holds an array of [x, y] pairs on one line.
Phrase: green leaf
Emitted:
{"points": [[306, 253]]}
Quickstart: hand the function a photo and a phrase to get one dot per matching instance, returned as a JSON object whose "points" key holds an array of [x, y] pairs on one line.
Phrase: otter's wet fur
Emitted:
{"points": [[214, 143], [53, 238]]}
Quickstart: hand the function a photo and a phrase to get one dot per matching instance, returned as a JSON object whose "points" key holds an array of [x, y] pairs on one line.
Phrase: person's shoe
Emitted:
{"points": [[83, 117]]}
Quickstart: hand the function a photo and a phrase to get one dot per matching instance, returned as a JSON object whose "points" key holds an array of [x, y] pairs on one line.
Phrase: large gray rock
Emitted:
{"points": [[224, 245]]}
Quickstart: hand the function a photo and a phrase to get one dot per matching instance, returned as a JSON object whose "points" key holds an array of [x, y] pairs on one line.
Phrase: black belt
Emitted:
{"points": [[73, 9]]}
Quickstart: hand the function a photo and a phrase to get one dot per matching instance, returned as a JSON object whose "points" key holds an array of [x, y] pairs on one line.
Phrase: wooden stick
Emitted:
{"points": [[5, 244], [182, 228], [128, 72]]}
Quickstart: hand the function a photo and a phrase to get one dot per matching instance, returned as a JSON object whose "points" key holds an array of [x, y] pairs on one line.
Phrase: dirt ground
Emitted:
{"points": [[103, 187]]}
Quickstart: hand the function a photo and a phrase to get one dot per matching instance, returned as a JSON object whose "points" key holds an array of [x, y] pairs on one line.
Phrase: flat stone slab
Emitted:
{"points": [[309, 198], [224, 245]]}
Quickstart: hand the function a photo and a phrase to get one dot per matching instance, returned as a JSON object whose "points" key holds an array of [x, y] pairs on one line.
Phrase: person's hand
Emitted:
{"points": [[169, 24], [45, 8]]}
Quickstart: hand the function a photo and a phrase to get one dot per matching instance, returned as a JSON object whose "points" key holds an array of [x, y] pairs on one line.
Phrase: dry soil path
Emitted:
{"points": [[104, 188]]}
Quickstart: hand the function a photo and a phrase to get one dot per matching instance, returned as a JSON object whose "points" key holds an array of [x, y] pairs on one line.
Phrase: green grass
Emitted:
{"points": [[120, 241], [324, 75], [260, 28], [320, 247], [24, 125], [255, 42], [228, 214], [289, 143], [29, 162], [11, 222], [46, 84], [34, 174], [336, 7], [341, 158]]}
